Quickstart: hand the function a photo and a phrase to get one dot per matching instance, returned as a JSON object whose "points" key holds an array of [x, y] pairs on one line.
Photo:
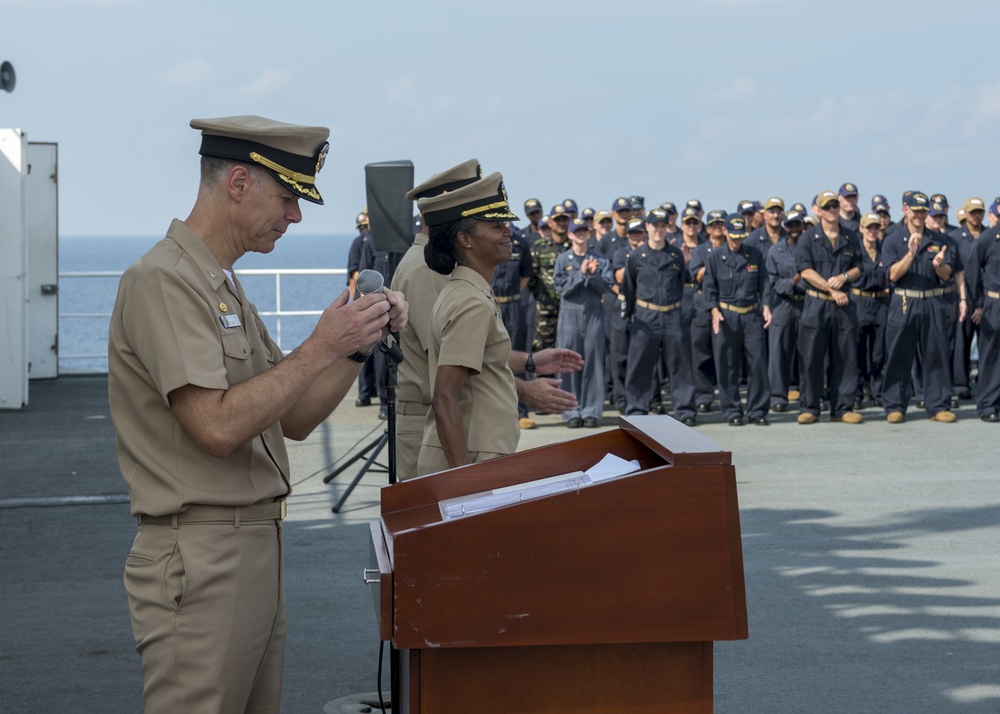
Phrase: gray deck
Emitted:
{"points": [[873, 580]]}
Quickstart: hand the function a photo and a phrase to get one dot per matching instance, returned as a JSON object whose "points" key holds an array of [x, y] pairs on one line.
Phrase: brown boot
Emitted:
{"points": [[848, 418], [944, 417]]}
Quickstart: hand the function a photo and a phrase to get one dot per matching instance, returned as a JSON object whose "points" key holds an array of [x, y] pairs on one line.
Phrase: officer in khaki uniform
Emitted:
{"points": [[474, 415], [201, 400], [413, 390], [423, 285]]}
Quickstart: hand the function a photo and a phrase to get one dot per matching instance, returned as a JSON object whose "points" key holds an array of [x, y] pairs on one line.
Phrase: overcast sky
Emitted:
{"points": [[715, 99]]}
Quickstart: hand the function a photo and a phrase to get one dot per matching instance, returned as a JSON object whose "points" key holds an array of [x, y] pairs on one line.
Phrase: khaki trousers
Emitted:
{"points": [[409, 433], [208, 615], [432, 459]]}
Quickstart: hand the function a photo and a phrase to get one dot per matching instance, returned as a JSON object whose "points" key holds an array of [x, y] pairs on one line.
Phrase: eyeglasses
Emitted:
{"points": [[692, 222], [832, 206]]}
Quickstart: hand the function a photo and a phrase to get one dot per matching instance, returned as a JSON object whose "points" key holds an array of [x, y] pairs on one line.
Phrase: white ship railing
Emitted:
{"points": [[68, 358]]}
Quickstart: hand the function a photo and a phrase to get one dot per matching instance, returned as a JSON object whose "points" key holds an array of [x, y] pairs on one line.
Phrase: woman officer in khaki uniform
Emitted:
{"points": [[474, 402]]}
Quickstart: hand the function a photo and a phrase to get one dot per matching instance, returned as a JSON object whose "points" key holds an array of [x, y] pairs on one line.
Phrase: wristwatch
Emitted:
{"points": [[359, 356], [529, 364]]}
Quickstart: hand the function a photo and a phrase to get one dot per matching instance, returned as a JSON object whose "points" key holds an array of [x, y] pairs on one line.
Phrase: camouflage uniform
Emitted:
{"points": [[543, 260]]}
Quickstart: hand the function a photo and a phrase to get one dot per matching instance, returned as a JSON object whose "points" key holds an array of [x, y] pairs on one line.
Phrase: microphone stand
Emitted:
{"points": [[393, 356]]}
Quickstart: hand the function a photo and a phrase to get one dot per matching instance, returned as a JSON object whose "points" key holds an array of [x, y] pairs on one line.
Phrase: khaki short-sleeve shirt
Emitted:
{"points": [[467, 330], [178, 321], [421, 286]]}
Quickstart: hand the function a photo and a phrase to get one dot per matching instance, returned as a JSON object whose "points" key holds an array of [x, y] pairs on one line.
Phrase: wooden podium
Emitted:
{"points": [[601, 599]]}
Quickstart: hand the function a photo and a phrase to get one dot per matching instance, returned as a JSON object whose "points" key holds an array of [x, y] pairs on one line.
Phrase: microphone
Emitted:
{"points": [[371, 281]]}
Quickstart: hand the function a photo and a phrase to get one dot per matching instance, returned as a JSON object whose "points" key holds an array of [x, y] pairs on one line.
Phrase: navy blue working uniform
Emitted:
{"points": [[616, 326], [581, 328], [372, 378], [702, 359], [870, 294], [921, 307], [366, 377], [788, 295], [690, 286], [987, 297], [653, 285], [736, 283], [506, 285], [827, 329], [951, 293], [354, 254], [614, 248], [760, 239], [966, 330]]}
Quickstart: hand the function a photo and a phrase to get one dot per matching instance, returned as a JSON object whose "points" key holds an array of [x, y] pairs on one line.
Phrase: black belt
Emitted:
{"points": [[507, 298], [276, 510]]}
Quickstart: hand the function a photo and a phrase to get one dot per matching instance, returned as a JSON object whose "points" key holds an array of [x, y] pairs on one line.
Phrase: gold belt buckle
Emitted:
{"points": [[284, 509]]}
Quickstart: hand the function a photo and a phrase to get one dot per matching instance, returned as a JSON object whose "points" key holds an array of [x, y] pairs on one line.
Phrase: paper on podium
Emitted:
{"points": [[608, 467]]}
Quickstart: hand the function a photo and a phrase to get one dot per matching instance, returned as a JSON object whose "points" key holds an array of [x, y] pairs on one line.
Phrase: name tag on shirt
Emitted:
{"points": [[229, 321]]}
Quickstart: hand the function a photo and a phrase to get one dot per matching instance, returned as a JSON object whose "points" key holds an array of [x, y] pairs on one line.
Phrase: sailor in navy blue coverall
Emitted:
{"points": [[987, 315], [788, 293], [653, 285], [582, 277], [737, 292], [702, 359], [871, 295], [509, 280], [921, 263], [828, 256]]}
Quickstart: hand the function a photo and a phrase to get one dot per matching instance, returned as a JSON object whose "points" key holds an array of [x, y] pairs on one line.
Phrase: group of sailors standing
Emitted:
{"points": [[829, 305]]}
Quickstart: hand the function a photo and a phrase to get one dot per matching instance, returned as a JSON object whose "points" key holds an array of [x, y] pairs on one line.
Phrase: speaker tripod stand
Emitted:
{"points": [[393, 356]]}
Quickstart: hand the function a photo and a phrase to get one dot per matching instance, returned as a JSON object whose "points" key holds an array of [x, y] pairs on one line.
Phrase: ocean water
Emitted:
{"points": [[83, 341]]}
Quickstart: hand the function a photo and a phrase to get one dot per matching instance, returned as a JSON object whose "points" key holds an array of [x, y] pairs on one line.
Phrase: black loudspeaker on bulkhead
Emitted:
{"points": [[390, 214], [7, 77]]}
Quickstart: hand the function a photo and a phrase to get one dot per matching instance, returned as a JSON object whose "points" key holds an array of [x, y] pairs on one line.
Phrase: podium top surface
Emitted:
{"points": [[654, 441], [678, 444]]}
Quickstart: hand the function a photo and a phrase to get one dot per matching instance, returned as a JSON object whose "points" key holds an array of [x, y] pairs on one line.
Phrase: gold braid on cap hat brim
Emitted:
{"points": [[481, 209], [304, 190], [288, 175]]}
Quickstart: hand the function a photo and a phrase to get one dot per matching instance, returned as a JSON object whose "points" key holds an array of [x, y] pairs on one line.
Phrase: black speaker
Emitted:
{"points": [[390, 214], [7, 77]]}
